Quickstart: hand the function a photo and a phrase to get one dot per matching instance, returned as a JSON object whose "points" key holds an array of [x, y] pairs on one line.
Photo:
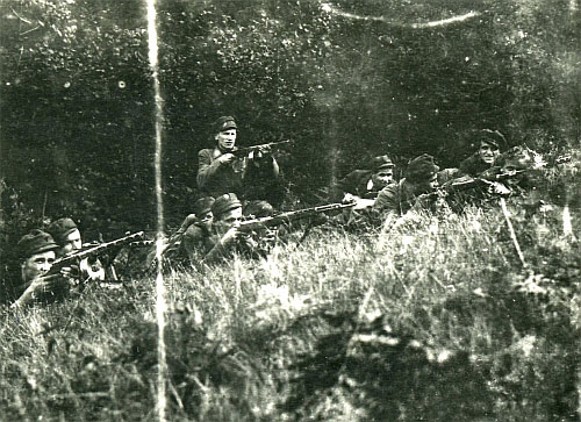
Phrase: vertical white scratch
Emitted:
{"points": [[567, 224], [160, 305]]}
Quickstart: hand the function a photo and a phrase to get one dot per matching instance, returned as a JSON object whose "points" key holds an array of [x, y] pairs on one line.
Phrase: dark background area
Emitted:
{"points": [[346, 80]]}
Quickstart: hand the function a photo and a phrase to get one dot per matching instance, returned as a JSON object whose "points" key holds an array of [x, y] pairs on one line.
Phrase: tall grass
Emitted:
{"points": [[302, 333]]}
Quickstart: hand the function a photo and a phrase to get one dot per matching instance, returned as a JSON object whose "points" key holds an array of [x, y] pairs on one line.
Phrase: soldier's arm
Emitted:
{"points": [[386, 202], [207, 167], [222, 247], [192, 242]]}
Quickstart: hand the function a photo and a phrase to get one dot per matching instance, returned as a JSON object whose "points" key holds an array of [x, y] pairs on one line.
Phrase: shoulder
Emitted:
{"points": [[393, 188], [194, 231], [209, 153]]}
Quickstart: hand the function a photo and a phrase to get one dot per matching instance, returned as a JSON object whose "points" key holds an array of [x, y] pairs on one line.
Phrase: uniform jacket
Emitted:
{"points": [[473, 166], [196, 242], [395, 198], [214, 178], [358, 183]]}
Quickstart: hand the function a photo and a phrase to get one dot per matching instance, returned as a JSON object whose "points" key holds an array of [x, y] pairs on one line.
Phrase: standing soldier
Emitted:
{"points": [[486, 156], [221, 170], [421, 180]]}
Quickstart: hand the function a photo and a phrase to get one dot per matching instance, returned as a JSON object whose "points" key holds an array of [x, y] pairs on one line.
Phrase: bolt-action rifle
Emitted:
{"points": [[242, 151], [92, 251], [290, 216]]}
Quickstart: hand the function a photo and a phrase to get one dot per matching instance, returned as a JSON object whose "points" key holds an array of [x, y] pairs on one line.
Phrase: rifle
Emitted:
{"points": [[468, 182], [493, 181], [289, 216], [97, 250], [242, 151]]}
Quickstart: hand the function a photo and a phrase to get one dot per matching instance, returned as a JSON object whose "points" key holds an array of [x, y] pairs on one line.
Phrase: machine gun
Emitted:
{"points": [[242, 151], [290, 216], [92, 251]]}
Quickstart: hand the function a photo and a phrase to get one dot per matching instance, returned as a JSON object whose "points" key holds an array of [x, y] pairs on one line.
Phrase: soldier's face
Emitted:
{"points": [[72, 243], [229, 219], [382, 178], [433, 183], [37, 265], [488, 153], [206, 219], [226, 139]]}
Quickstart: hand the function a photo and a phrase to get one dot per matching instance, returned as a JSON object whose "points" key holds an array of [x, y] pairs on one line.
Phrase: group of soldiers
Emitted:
{"points": [[244, 184]]}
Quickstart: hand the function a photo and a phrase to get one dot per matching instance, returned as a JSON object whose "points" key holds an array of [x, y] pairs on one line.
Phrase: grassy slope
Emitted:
{"points": [[237, 335]]}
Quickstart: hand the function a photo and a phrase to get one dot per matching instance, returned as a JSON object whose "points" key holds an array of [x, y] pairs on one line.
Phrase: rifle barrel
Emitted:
{"points": [[293, 215], [93, 250]]}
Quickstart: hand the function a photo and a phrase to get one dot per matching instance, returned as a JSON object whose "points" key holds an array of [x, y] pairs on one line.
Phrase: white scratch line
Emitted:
{"points": [[327, 7]]}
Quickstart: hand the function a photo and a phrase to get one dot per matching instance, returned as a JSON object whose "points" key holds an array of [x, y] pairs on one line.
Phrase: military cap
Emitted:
{"points": [[203, 205], [492, 137], [224, 123], [36, 241], [421, 168], [225, 203], [61, 228], [258, 209], [381, 162]]}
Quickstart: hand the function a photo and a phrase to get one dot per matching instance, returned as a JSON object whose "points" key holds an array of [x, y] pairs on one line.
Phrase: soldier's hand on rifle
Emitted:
{"points": [[95, 271], [230, 236], [70, 273], [264, 150], [226, 158], [189, 220], [498, 188], [349, 198]]}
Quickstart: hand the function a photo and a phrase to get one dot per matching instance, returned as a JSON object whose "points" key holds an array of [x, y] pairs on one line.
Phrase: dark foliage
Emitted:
{"points": [[194, 362], [391, 375]]}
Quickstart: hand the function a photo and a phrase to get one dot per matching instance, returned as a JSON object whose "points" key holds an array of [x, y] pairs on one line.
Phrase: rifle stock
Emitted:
{"points": [[287, 217]]}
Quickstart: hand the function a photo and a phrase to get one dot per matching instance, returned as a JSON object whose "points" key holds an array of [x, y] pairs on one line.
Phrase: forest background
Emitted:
{"points": [[345, 80], [442, 318]]}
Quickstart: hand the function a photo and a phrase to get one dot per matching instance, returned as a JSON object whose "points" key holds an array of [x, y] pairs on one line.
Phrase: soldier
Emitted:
{"points": [[68, 237], [486, 156], [197, 228], [221, 171], [226, 237], [421, 178], [36, 253], [364, 185]]}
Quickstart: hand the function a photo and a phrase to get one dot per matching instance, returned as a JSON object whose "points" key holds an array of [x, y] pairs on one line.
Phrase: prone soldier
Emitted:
{"points": [[421, 180], [35, 254], [196, 228], [68, 238], [486, 156], [218, 240], [363, 186]]}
